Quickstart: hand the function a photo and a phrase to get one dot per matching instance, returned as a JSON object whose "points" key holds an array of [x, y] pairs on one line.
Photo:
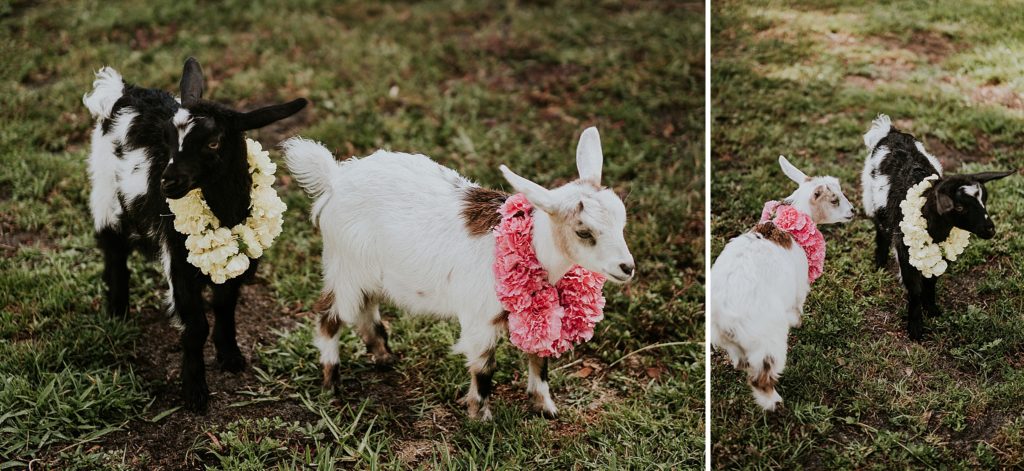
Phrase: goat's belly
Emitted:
{"points": [[442, 290]]}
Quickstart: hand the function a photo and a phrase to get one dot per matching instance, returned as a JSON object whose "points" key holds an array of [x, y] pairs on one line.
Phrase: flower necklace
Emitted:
{"points": [[802, 228], [220, 252], [928, 256], [544, 319]]}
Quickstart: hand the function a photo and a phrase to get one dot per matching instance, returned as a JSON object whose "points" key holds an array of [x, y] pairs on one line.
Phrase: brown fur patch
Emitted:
{"points": [[480, 209], [764, 381], [325, 302], [329, 325], [820, 203], [500, 319], [768, 231]]}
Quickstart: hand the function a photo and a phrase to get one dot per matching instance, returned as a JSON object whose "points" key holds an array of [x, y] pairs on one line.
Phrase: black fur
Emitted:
{"points": [[946, 207], [212, 158]]}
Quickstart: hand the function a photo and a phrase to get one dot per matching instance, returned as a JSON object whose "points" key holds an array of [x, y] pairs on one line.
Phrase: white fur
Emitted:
{"points": [[106, 90], [975, 191], [183, 122], [880, 128], [931, 158], [758, 289], [392, 227], [875, 187]]}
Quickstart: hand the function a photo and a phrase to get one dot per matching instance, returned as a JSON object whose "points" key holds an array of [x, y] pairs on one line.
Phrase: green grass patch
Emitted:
{"points": [[473, 85], [804, 79]]}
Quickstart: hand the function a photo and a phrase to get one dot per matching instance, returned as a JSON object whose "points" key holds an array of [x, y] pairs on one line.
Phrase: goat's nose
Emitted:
{"points": [[170, 181], [627, 268]]}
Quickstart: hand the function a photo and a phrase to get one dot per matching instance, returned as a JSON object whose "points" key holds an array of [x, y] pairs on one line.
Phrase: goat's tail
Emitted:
{"points": [[880, 128], [763, 376], [312, 165], [106, 90]]}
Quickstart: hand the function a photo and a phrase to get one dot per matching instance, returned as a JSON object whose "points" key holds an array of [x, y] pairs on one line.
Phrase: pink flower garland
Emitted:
{"points": [[543, 319], [803, 230]]}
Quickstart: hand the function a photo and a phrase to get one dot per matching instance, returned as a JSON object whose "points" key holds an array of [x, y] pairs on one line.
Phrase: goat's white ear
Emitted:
{"points": [[792, 172], [538, 195], [589, 158]]}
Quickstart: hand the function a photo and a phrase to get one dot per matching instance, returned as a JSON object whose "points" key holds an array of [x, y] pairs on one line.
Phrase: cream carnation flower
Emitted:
{"points": [[223, 253], [925, 254]]}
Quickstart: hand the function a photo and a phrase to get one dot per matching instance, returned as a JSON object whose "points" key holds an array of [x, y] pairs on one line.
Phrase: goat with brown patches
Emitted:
{"points": [[759, 282], [400, 227]]}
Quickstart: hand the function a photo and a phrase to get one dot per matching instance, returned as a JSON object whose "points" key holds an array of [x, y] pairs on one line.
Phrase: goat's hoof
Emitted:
{"points": [[550, 414], [482, 414], [231, 362], [385, 361], [331, 375], [916, 333], [935, 312], [197, 399]]}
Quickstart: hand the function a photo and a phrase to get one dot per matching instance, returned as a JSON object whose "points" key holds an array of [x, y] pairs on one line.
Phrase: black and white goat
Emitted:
{"points": [[148, 147], [895, 163]]}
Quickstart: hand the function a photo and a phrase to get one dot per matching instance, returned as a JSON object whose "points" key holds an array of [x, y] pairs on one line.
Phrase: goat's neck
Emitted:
{"points": [[545, 246], [938, 226], [802, 205], [228, 194]]}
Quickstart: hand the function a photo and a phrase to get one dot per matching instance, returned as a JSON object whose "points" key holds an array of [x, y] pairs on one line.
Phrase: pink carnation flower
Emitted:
{"points": [[543, 319], [804, 232]]}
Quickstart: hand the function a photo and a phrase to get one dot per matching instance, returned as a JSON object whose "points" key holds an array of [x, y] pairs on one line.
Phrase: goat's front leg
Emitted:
{"points": [[115, 249], [224, 302], [912, 281], [188, 306], [478, 344], [931, 307], [537, 387]]}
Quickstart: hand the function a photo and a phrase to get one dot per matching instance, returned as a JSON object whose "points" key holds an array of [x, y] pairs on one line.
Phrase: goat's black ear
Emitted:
{"points": [[191, 82], [258, 118], [943, 202], [989, 176]]}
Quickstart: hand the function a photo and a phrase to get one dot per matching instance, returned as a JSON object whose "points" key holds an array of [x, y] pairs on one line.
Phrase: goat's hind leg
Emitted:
{"points": [[326, 336], [373, 333]]}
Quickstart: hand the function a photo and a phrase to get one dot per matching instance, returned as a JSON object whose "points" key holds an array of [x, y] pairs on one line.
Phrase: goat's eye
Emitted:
{"points": [[213, 145], [585, 235], [959, 209], [835, 202]]}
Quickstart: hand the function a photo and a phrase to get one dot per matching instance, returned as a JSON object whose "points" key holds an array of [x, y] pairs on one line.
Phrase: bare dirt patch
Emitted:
{"points": [[165, 445]]}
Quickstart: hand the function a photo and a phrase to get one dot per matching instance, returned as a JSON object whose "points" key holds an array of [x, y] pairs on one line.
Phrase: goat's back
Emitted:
{"points": [[756, 285], [394, 222]]}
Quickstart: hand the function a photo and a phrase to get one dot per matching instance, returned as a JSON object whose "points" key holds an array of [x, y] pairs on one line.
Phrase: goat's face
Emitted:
{"points": [[206, 139], [962, 198], [588, 219], [821, 198]]}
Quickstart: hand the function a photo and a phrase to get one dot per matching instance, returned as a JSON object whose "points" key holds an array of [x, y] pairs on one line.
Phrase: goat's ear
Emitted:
{"points": [[256, 119], [989, 176], [191, 86], [538, 195], [792, 172], [589, 158], [943, 202]]}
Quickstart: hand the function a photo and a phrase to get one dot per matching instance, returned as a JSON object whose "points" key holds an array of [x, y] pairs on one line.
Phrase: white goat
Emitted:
{"points": [[759, 283], [400, 227]]}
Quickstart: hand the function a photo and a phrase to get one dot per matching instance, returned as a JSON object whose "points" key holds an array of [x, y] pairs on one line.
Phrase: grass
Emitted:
{"points": [[471, 84], [805, 79]]}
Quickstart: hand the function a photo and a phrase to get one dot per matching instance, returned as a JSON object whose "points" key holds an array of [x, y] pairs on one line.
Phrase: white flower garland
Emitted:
{"points": [[223, 253], [925, 254]]}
